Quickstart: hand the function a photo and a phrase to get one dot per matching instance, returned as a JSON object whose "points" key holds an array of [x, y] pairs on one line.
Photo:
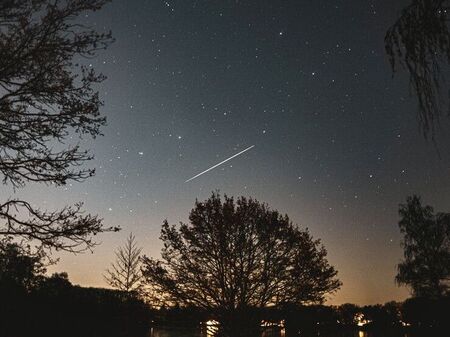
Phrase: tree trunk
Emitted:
{"points": [[240, 323]]}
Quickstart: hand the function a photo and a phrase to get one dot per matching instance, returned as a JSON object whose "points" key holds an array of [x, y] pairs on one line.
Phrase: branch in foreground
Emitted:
{"points": [[420, 42], [68, 229]]}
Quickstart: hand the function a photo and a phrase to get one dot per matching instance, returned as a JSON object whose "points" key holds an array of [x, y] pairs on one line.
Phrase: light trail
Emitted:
{"points": [[222, 162]]}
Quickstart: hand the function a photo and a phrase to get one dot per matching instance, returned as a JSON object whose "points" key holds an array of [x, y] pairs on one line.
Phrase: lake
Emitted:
{"points": [[177, 332]]}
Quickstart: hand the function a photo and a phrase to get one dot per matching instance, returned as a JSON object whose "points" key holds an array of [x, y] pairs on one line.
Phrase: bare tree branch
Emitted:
{"points": [[125, 273], [45, 100], [67, 229]]}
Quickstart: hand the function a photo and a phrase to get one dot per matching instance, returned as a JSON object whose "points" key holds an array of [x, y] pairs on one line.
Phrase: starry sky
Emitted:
{"points": [[337, 144]]}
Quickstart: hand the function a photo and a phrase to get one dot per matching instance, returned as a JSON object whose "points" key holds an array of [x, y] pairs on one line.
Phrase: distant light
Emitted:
{"points": [[279, 324], [212, 326], [361, 320]]}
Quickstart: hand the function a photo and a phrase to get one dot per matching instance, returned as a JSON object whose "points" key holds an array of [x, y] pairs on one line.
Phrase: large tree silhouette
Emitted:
{"points": [[426, 243], [420, 42], [235, 256], [46, 99]]}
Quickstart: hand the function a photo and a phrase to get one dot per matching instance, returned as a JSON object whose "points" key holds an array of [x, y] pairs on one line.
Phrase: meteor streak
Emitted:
{"points": [[222, 162]]}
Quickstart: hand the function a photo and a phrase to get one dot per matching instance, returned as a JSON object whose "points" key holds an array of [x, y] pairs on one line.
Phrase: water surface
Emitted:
{"points": [[181, 332]]}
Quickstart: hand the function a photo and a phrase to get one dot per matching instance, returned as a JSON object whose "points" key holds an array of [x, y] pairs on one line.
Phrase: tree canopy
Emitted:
{"points": [[46, 99], [20, 269], [236, 255], [426, 243]]}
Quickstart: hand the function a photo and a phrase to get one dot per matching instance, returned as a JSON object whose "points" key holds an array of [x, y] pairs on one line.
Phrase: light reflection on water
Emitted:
{"points": [[175, 332], [180, 332]]}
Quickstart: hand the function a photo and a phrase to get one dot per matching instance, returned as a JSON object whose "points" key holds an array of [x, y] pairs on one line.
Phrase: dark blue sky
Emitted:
{"points": [[337, 143]]}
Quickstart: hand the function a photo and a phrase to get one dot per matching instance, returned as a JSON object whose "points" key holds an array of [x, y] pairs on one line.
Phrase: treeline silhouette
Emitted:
{"points": [[56, 308], [32, 303], [35, 304], [238, 266], [415, 315]]}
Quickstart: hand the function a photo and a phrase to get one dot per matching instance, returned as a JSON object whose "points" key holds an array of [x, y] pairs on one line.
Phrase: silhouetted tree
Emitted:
{"points": [[55, 284], [125, 273], [234, 257], [383, 317], [46, 99], [33, 304], [420, 41], [426, 243], [347, 314], [20, 269], [426, 313]]}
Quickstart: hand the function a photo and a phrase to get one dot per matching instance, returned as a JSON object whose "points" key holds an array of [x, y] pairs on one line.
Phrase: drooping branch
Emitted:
{"points": [[420, 42]]}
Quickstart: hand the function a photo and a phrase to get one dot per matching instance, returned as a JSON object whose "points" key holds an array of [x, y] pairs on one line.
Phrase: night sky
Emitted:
{"points": [[337, 144]]}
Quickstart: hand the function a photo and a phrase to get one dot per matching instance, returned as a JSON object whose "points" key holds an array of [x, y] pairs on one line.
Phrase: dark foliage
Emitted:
{"points": [[20, 269], [46, 99], [383, 317], [416, 316], [309, 319], [189, 317], [346, 314], [425, 313], [49, 311], [33, 304], [235, 257], [426, 243], [420, 42]]}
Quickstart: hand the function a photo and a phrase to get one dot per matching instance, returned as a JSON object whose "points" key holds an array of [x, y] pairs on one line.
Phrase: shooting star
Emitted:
{"points": [[222, 162]]}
